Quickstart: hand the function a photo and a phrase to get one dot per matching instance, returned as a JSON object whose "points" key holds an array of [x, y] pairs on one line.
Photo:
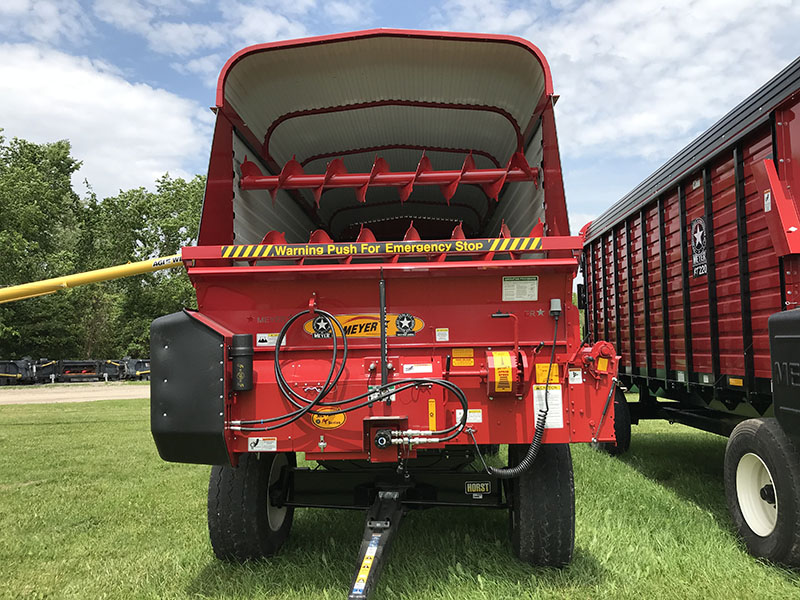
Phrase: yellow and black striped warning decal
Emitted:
{"points": [[255, 251]]}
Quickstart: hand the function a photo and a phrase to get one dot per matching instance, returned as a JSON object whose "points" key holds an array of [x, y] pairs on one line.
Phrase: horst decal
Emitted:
{"points": [[366, 326], [477, 487], [518, 244]]}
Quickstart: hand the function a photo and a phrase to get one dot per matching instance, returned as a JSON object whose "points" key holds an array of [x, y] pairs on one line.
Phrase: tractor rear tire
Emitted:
{"points": [[244, 522], [542, 511], [762, 486], [622, 427]]}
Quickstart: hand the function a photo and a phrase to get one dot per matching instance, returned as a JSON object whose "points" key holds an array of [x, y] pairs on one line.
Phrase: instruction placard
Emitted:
{"points": [[555, 412], [521, 289]]}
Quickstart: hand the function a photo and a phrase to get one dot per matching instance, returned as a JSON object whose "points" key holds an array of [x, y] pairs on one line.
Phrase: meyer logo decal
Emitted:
{"points": [[365, 326], [699, 261]]}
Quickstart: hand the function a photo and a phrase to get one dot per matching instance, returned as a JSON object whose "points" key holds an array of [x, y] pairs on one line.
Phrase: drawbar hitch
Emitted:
{"points": [[383, 519]]}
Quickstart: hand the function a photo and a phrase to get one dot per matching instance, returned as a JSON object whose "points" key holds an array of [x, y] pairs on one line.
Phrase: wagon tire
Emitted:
{"points": [[762, 487], [622, 427], [542, 507], [245, 519]]}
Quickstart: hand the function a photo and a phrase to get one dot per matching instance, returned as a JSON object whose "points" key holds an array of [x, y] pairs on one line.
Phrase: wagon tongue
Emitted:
{"points": [[383, 518]]}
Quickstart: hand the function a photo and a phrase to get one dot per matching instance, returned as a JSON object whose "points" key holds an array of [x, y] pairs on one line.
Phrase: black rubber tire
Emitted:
{"points": [[622, 427], [542, 511], [238, 521], [767, 441]]}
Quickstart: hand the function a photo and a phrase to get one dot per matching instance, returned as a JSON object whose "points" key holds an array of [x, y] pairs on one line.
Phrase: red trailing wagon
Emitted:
{"points": [[384, 283], [695, 278]]}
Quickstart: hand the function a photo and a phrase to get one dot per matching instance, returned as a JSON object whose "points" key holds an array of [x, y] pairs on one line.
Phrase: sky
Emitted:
{"points": [[130, 82]]}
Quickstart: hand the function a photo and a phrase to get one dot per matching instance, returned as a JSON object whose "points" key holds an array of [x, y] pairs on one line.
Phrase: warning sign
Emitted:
{"points": [[520, 289], [261, 251], [262, 444], [366, 565], [502, 371], [463, 357], [542, 370], [555, 409]]}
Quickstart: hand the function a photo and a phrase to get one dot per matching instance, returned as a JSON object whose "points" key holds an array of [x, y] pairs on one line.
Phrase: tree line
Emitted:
{"points": [[48, 230]]}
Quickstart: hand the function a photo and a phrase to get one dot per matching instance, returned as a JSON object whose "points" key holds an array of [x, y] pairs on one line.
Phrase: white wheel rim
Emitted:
{"points": [[753, 483], [276, 515]]}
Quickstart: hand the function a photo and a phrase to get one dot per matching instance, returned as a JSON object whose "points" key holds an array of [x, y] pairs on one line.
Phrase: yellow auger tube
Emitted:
{"points": [[49, 286]]}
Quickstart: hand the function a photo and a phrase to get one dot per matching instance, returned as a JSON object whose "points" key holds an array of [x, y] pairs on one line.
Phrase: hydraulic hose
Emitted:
{"points": [[530, 456], [307, 406]]}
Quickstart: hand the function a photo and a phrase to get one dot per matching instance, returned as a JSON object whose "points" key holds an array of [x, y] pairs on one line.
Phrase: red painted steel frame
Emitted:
{"points": [[452, 299], [259, 300]]}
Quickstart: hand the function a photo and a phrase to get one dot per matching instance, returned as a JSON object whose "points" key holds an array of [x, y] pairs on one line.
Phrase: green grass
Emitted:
{"points": [[88, 510]]}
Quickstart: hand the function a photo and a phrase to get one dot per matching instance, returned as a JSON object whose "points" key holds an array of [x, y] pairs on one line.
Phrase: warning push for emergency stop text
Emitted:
{"points": [[382, 248]]}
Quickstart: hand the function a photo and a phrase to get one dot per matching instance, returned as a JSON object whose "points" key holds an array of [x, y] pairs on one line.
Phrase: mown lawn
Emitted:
{"points": [[88, 510]]}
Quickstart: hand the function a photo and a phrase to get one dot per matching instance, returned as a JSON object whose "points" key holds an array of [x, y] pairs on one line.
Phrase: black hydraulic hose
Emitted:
{"points": [[378, 394], [530, 456], [384, 340], [330, 382], [334, 375]]}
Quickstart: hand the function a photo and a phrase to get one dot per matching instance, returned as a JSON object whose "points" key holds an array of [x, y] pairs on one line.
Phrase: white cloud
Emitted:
{"points": [[255, 25], [129, 16], [499, 16], [184, 38], [642, 79], [127, 134], [240, 24], [166, 37], [578, 220], [348, 13], [208, 67], [294, 7], [50, 21]]}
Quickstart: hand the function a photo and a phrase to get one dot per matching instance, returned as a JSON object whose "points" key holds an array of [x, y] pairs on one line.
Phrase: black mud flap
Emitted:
{"points": [[187, 390], [784, 347]]}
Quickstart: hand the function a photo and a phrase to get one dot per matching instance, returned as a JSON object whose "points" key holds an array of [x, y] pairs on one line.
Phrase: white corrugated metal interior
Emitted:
{"points": [[391, 97]]}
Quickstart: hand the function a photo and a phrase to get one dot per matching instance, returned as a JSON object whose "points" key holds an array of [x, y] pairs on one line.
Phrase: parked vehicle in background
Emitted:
{"points": [[27, 371], [695, 278]]}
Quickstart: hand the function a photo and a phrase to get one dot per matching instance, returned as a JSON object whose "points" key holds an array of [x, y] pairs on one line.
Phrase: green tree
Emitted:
{"points": [[46, 230], [39, 227], [137, 225]]}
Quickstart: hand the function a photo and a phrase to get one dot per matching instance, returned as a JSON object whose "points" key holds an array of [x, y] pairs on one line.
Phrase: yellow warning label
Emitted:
{"points": [[366, 325], [541, 373], [432, 414], [366, 565], [256, 251], [502, 371], [602, 365], [463, 352], [463, 362], [738, 382]]}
